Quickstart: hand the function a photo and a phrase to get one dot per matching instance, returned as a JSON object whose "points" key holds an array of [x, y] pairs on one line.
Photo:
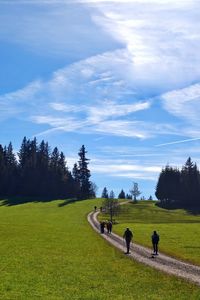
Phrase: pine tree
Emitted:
{"points": [[76, 185], [122, 195], [190, 184], [43, 169], [128, 196], [54, 172], [104, 193], [84, 174], [112, 195], [10, 171], [41, 173], [2, 171], [168, 187]]}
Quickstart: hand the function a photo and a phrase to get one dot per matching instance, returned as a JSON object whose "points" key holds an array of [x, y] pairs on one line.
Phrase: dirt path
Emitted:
{"points": [[142, 254]]}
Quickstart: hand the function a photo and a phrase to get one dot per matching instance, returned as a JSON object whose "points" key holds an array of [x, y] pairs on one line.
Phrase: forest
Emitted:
{"points": [[179, 188], [36, 171]]}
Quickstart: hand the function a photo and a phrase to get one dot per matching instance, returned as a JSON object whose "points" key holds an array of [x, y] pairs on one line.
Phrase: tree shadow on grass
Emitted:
{"points": [[11, 201], [194, 211], [17, 200], [68, 201]]}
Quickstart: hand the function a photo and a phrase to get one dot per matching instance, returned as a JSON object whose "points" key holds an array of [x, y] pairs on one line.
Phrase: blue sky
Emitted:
{"points": [[120, 77]]}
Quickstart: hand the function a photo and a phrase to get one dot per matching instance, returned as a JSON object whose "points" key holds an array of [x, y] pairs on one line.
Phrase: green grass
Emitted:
{"points": [[49, 251], [179, 230]]}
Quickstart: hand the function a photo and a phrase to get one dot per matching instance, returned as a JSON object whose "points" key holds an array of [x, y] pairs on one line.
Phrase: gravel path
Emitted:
{"points": [[142, 254]]}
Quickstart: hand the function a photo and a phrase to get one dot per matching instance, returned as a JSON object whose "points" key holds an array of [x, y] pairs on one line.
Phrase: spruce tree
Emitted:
{"points": [[190, 184], [122, 195], [76, 185], [43, 168], [10, 171], [104, 193], [84, 174], [112, 195], [168, 187], [2, 171]]}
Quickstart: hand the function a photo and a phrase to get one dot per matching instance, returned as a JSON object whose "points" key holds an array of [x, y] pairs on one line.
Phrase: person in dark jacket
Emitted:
{"points": [[109, 226], [102, 226], [155, 240], [128, 235]]}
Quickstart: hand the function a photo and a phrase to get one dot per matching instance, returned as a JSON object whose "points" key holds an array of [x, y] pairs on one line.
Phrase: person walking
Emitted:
{"points": [[102, 226], [109, 226], [155, 240], [128, 235]]}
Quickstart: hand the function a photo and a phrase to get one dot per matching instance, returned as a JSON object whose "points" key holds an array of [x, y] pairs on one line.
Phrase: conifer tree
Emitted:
{"points": [[104, 193], [112, 195], [122, 195], [2, 171], [37, 172], [10, 170], [84, 174], [190, 184]]}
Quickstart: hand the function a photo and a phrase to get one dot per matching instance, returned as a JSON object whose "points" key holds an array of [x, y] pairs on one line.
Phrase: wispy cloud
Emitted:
{"points": [[178, 142], [124, 168], [155, 57], [184, 103]]}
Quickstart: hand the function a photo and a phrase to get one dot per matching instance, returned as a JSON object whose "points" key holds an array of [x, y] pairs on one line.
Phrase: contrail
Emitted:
{"points": [[178, 142]]}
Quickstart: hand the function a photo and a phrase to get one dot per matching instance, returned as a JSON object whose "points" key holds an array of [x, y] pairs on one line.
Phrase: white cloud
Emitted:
{"points": [[159, 37], [134, 176], [184, 103], [115, 92], [16, 103]]}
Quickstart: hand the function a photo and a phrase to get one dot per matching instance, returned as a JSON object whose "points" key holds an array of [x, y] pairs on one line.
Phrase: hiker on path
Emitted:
{"points": [[109, 226], [128, 235], [155, 240], [95, 208], [102, 226]]}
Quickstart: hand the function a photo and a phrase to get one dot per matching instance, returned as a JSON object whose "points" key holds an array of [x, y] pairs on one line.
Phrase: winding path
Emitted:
{"points": [[142, 254]]}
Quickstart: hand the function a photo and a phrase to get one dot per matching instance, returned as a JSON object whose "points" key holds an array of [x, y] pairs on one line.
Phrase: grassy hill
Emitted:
{"points": [[49, 251], [179, 230]]}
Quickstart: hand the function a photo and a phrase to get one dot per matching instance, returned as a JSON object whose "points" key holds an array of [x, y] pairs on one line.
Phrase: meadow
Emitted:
{"points": [[179, 229], [49, 251]]}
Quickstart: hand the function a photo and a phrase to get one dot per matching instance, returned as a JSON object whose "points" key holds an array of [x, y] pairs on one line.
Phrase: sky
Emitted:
{"points": [[120, 77]]}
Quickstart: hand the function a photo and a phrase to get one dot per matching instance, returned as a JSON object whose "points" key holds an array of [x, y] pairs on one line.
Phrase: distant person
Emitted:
{"points": [[102, 226], [101, 209], [95, 208], [128, 235], [155, 240]]}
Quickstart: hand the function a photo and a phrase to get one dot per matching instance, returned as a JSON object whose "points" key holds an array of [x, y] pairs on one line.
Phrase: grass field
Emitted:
{"points": [[179, 230], [49, 251]]}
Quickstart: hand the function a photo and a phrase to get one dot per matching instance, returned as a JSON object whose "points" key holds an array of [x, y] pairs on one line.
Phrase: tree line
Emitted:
{"points": [[134, 193], [179, 188], [36, 171], [122, 195]]}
